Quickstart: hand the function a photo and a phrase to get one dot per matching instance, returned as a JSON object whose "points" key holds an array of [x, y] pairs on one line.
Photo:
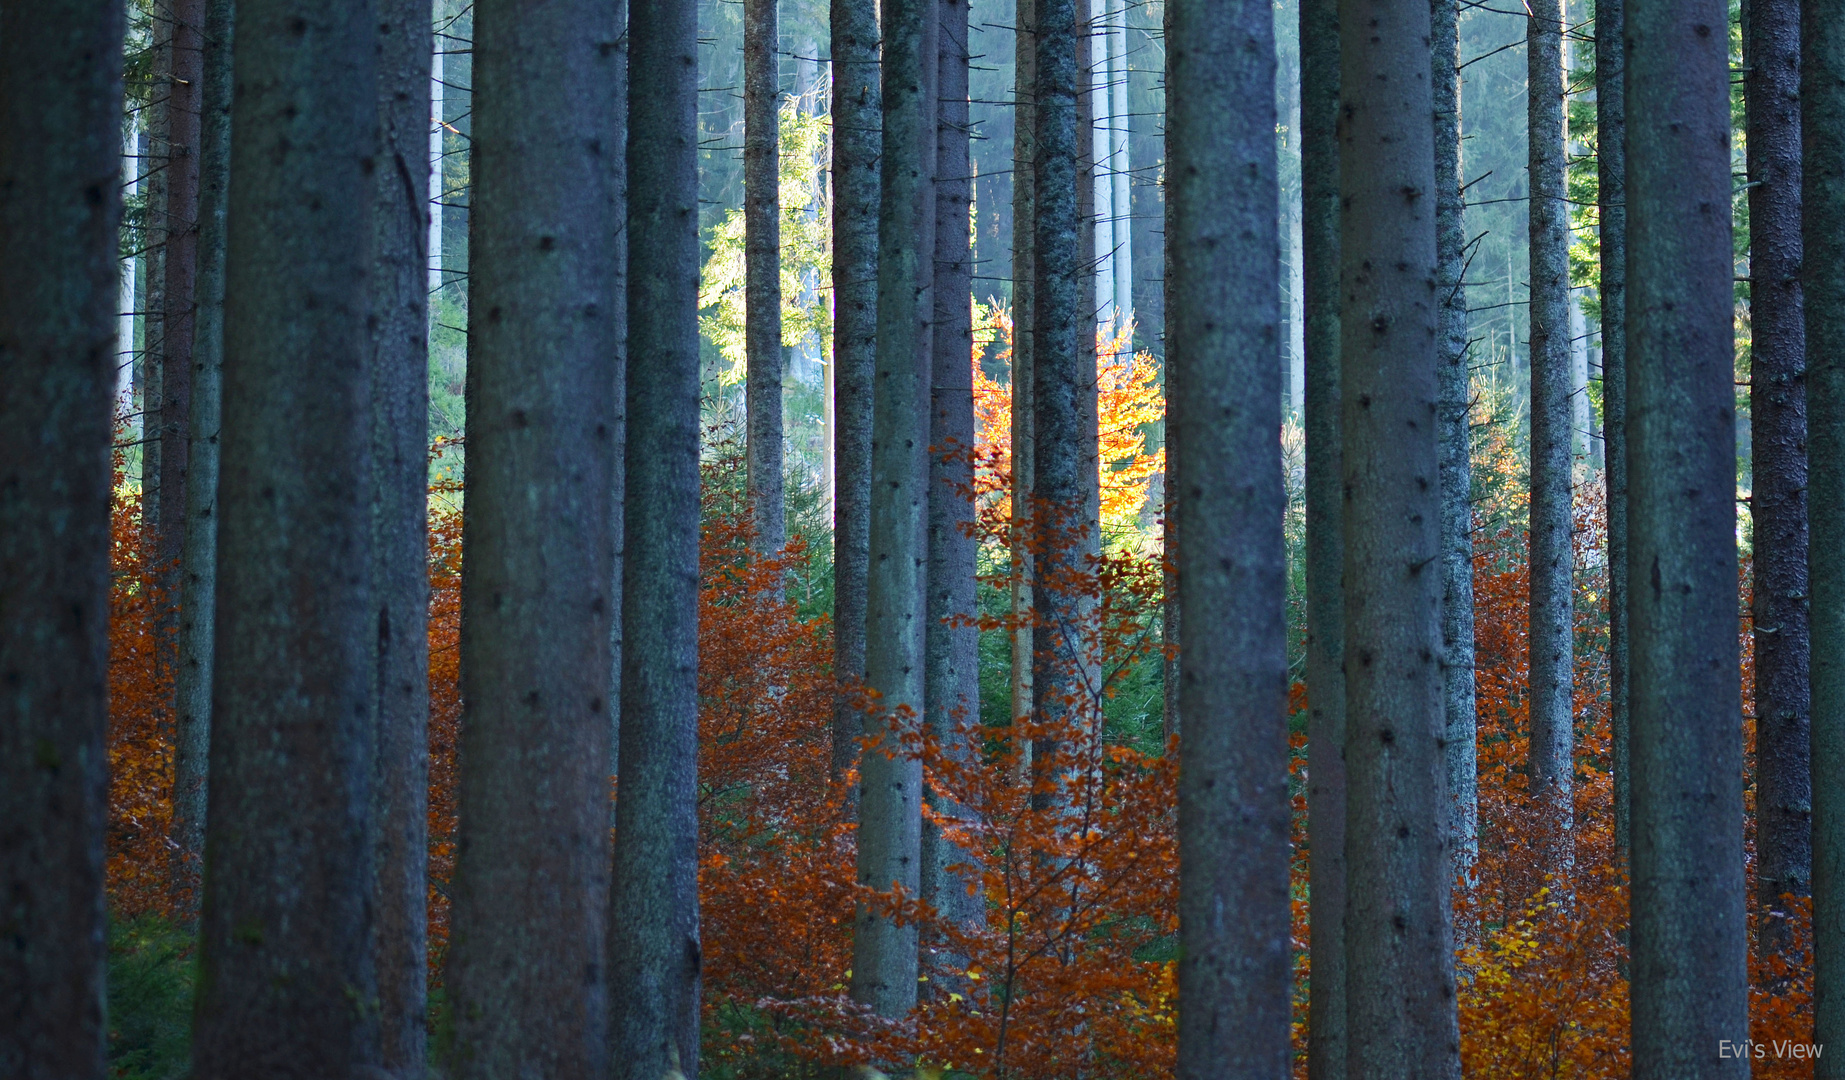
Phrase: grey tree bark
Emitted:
{"points": [[149, 366], [1552, 562], [1688, 971], [286, 967], [1611, 208], [890, 781], [1400, 1002], [1062, 316], [530, 893], [400, 532], [1024, 349], [60, 208], [1223, 323], [857, 123], [1456, 449], [951, 688], [762, 290], [199, 560], [616, 134], [1325, 546], [1822, 108], [653, 908], [1778, 438], [178, 292]]}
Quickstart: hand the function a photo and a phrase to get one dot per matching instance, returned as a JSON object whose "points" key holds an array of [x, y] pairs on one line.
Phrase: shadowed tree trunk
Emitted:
{"points": [[762, 291], [1778, 440], [199, 561], [653, 906], [1611, 175], [150, 367], [890, 808], [1325, 548], [1688, 973], [1062, 315], [1222, 235], [178, 291], [1552, 563], [1822, 115], [288, 868], [60, 208], [1456, 452], [525, 969], [857, 122], [400, 531], [951, 690], [1024, 349], [616, 134], [1399, 951]]}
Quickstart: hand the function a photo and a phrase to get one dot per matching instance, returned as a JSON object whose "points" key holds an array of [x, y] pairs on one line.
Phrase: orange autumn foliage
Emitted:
{"points": [[1128, 401], [140, 737], [1072, 968]]}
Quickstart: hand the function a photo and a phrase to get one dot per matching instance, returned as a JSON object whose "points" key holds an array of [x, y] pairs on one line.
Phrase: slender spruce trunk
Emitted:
{"points": [[400, 532], [199, 560], [653, 908], [762, 289], [1024, 349], [1778, 437], [1222, 232], [1062, 316], [525, 966], [178, 297], [285, 940], [60, 172], [1611, 209], [890, 810], [618, 335], [156, 160], [1456, 450], [1325, 547], [1688, 974], [951, 692], [1171, 614], [1399, 941], [857, 123], [1551, 759], [1822, 114]]}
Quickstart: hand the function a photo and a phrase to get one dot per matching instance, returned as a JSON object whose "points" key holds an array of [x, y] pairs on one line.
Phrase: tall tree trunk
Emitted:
{"points": [[1398, 944], [1552, 564], [653, 908], [183, 114], [199, 561], [857, 123], [400, 531], [1689, 978], [60, 172], [890, 808], [1822, 114], [1778, 423], [288, 881], [1062, 317], [156, 160], [1325, 547], [1121, 131], [951, 693], [762, 290], [525, 970], [1024, 352], [1222, 232], [1611, 209], [1456, 450]]}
